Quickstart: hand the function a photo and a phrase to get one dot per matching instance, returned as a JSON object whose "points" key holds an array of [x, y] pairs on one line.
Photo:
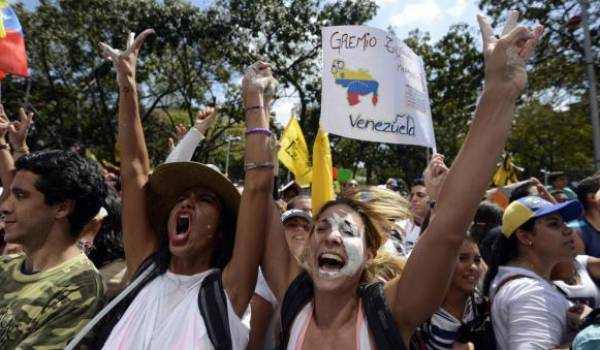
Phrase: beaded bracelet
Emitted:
{"points": [[256, 165], [264, 131]]}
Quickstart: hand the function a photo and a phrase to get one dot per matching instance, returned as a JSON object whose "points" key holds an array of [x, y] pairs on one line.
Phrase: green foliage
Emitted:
{"points": [[544, 138], [553, 128], [198, 56]]}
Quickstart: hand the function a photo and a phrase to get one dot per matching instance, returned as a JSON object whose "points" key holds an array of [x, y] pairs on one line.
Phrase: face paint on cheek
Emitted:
{"points": [[353, 245], [354, 252]]}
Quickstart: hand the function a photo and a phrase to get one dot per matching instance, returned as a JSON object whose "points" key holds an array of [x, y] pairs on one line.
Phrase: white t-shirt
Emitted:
{"points": [[412, 232], [586, 292], [262, 289], [165, 315], [528, 312]]}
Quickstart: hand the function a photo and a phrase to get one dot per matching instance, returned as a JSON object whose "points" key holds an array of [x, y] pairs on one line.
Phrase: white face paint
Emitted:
{"points": [[352, 239]]}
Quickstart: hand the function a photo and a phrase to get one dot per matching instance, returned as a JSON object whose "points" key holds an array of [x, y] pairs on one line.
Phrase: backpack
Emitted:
{"points": [[212, 305], [379, 318], [480, 331]]}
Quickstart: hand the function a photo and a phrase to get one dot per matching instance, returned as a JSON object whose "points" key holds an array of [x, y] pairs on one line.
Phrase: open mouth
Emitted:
{"points": [[331, 262], [471, 278], [183, 224]]}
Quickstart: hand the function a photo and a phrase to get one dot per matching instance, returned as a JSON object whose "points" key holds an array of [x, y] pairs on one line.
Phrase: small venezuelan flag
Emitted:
{"points": [[13, 58]]}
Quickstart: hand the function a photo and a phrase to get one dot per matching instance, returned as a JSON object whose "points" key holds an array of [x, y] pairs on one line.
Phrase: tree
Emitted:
{"points": [[561, 45], [544, 138], [553, 130], [288, 35]]}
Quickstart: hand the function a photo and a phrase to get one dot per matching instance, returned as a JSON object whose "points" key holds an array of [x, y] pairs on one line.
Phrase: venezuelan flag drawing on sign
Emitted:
{"points": [[13, 58], [358, 83]]}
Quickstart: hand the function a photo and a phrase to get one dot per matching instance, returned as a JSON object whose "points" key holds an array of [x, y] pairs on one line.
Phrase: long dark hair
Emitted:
{"points": [[503, 251], [108, 243]]}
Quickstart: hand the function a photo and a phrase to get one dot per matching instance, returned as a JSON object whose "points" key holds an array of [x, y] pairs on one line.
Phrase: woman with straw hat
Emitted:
{"points": [[185, 220]]}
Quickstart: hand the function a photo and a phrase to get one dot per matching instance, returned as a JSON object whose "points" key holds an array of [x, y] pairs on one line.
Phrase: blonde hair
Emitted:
{"points": [[389, 204], [384, 265]]}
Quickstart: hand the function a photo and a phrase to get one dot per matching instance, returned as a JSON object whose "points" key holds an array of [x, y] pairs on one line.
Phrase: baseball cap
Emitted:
{"points": [[520, 211], [295, 213]]}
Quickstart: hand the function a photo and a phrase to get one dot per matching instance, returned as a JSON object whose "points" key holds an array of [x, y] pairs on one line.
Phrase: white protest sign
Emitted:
{"points": [[374, 88]]}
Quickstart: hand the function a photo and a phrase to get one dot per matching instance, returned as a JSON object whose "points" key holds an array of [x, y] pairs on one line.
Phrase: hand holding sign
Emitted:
{"points": [[434, 175], [506, 57]]}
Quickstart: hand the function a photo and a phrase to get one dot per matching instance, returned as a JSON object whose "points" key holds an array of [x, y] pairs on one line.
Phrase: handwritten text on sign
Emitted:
{"points": [[374, 88]]}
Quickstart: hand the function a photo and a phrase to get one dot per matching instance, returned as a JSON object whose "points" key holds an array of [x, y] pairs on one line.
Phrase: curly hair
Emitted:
{"points": [[108, 243], [66, 176]]}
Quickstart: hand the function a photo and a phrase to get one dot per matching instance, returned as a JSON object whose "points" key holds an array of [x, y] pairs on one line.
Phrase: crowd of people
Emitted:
{"points": [[179, 258]]}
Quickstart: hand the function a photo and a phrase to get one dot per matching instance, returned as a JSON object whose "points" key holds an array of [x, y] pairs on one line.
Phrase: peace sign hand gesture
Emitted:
{"points": [[125, 61], [506, 56], [18, 130]]}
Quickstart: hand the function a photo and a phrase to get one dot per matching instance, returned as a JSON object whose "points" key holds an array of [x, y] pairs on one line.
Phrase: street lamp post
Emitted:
{"points": [[592, 82], [229, 140]]}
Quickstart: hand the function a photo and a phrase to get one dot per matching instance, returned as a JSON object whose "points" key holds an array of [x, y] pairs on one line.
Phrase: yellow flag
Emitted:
{"points": [[506, 173], [322, 184], [294, 152]]}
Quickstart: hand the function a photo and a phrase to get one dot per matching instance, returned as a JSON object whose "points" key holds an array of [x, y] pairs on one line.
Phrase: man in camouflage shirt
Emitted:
{"points": [[48, 294]]}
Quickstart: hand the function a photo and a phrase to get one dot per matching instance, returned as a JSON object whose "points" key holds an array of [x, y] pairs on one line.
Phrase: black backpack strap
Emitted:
{"points": [[111, 320], [379, 317], [297, 295], [213, 308]]}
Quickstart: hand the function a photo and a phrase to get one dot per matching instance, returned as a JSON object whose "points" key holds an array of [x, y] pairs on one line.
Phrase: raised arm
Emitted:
{"points": [[188, 141], [435, 175], [17, 133], [279, 265], [415, 297], [139, 238], [7, 164], [239, 276]]}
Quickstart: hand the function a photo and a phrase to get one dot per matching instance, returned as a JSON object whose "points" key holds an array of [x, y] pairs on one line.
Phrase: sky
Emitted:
{"points": [[433, 16]]}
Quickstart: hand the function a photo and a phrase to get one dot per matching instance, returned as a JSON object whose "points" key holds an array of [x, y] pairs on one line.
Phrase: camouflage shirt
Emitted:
{"points": [[46, 309]]}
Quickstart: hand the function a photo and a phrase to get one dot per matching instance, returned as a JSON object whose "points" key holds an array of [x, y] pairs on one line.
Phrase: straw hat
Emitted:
{"points": [[171, 180]]}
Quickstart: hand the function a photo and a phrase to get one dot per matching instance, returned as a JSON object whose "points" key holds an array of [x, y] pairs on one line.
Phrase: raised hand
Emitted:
{"points": [[434, 175], [205, 119], [258, 81], [4, 122], [125, 61], [18, 130], [506, 56], [180, 131]]}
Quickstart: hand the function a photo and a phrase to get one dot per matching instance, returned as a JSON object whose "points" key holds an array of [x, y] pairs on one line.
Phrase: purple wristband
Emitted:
{"points": [[259, 131]]}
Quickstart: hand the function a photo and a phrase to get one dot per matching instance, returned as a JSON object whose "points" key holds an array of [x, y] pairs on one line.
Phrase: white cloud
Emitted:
{"points": [[283, 109], [425, 12], [382, 3], [458, 9]]}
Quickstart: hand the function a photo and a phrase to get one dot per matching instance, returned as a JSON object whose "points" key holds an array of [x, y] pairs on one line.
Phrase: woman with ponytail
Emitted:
{"points": [[527, 310]]}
